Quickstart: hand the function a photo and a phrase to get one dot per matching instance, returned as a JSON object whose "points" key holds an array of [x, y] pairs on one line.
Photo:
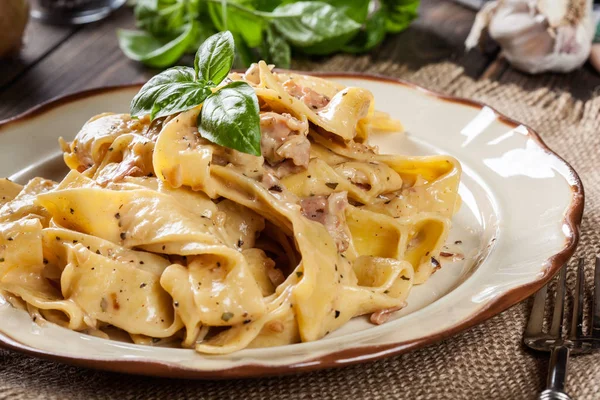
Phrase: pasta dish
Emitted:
{"points": [[160, 236]]}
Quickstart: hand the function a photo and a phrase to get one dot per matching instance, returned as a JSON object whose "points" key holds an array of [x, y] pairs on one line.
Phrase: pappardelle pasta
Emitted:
{"points": [[162, 237]]}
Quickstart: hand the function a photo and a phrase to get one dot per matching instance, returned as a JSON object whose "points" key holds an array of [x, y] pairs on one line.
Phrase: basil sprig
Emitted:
{"points": [[263, 29], [229, 116]]}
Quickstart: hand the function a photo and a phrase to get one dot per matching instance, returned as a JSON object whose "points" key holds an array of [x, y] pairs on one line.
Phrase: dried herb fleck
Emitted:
{"points": [[332, 185], [227, 316], [103, 304]]}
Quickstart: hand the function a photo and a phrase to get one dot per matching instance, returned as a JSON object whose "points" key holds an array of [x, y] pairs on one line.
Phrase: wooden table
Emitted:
{"points": [[60, 60]]}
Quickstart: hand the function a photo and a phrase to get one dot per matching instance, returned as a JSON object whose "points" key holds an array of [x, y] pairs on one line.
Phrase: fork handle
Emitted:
{"points": [[557, 373]]}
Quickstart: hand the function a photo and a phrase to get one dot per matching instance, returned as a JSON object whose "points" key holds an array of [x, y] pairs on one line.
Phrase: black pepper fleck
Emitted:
{"points": [[226, 316]]}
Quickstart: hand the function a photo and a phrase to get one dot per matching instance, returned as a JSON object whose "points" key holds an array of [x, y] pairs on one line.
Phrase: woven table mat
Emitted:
{"points": [[485, 362]]}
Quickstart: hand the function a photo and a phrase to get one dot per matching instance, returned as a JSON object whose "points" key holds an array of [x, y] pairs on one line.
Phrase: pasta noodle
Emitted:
{"points": [[163, 235]]}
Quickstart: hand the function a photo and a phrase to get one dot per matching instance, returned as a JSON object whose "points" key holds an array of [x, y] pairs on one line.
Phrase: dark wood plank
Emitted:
{"points": [[90, 58], [39, 41]]}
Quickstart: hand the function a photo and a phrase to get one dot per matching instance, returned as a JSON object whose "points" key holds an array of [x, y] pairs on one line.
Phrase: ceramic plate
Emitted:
{"points": [[518, 224]]}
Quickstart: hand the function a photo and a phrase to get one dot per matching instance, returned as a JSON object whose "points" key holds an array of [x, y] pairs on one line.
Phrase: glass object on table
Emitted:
{"points": [[73, 12]]}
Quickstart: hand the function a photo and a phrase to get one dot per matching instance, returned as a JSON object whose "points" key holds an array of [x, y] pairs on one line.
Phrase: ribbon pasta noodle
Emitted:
{"points": [[160, 234]]}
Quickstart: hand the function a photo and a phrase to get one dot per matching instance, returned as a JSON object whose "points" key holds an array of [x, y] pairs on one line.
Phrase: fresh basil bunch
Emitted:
{"points": [[262, 29], [229, 116]]}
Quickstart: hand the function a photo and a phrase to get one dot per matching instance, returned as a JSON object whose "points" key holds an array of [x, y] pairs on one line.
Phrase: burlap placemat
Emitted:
{"points": [[486, 362]]}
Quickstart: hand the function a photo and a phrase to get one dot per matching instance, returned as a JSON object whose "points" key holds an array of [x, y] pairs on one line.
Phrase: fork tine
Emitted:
{"points": [[557, 316], [596, 313], [576, 330], [536, 317]]}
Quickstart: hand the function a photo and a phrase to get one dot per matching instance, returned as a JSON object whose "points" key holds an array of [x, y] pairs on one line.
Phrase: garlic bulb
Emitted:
{"points": [[14, 15], [538, 35]]}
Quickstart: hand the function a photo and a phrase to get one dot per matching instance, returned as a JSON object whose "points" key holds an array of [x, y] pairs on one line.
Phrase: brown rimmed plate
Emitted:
{"points": [[519, 222]]}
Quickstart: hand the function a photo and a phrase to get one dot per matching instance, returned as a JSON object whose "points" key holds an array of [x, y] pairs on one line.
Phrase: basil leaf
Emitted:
{"points": [[160, 18], [179, 97], [159, 88], [230, 118], [267, 5], [399, 14], [314, 26], [372, 34], [358, 10], [244, 56], [275, 50], [240, 19], [141, 46], [202, 31], [215, 58]]}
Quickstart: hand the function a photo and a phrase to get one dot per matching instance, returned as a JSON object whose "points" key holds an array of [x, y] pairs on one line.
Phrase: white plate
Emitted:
{"points": [[519, 222]]}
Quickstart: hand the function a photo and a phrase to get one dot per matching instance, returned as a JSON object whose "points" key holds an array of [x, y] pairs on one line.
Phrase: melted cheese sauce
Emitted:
{"points": [[164, 236]]}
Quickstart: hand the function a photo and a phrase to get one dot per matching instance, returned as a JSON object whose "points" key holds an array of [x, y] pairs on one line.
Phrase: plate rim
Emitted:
{"points": [[572, 220]]}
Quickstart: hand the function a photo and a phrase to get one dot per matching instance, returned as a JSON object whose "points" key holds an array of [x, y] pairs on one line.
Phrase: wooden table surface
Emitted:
{"points": [[59, 60]]}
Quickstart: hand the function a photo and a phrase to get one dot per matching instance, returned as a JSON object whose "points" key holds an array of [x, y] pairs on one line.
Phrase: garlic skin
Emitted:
{"points": [[538, 35], [14, 15]]}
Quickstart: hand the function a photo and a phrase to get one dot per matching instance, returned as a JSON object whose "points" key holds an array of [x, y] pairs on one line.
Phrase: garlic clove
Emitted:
{"points": [[538, 35]]}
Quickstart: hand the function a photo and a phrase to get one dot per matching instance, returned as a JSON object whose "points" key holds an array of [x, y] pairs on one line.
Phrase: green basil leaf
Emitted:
{"points": [[314, 26], [275, 50], [179, 97], [239, 18], [160, 18], [244, 56], [372, 34], [358, 10], [215, 58], [202, 31], [399, 14], [141, 46], [160, 87], [230, 118], [267, 5]]}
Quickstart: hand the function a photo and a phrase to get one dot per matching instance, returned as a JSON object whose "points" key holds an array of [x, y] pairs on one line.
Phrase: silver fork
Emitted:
{"points": [[575, 342]]}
